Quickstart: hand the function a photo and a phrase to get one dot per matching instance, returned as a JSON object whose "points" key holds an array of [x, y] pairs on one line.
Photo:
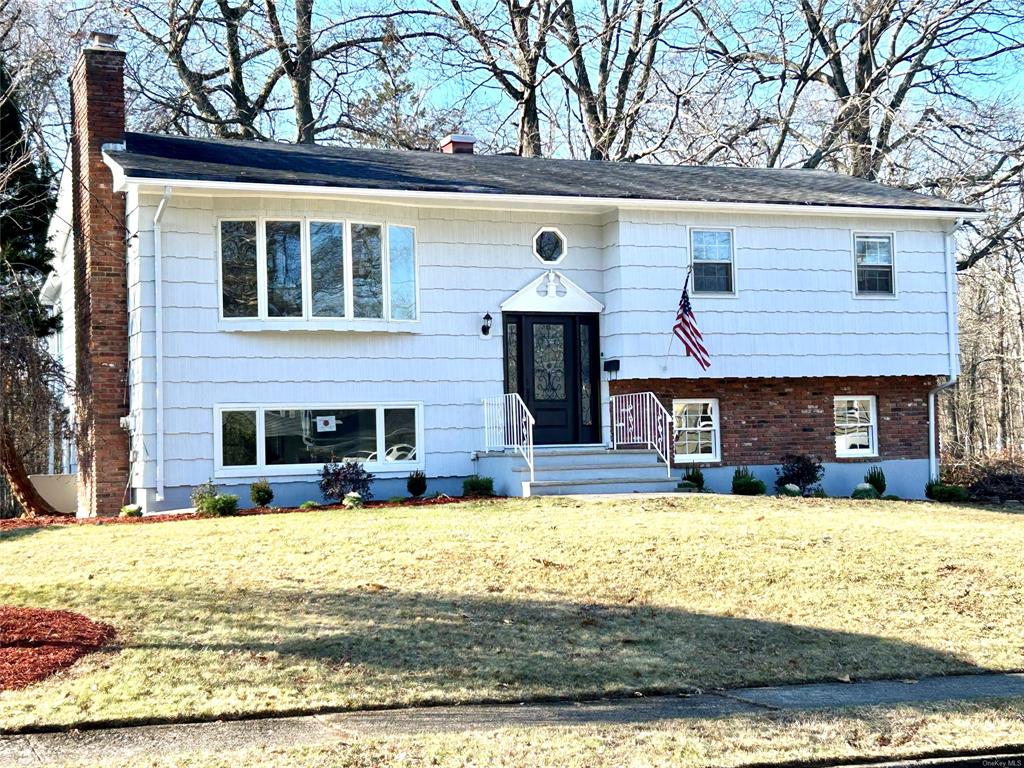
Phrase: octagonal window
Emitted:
{"points": [[549, 245]]}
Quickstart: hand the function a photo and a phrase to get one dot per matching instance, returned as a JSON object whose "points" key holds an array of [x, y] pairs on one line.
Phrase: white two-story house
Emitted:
{"points": [[247, 310]]}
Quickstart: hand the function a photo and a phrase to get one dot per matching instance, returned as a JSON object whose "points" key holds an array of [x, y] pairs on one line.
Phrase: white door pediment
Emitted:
{"points": [[551, 292]]}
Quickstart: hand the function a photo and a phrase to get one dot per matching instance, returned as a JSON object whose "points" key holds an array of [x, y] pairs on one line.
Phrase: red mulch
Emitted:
{"points": [[35, 643], [44, 522]]}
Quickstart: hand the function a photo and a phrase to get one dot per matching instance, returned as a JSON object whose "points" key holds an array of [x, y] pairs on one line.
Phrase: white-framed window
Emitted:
{"points": [[300, 439], [696, 433], [713, 261], [856, 424], [874, 264], [549, 245], [300, 268]]}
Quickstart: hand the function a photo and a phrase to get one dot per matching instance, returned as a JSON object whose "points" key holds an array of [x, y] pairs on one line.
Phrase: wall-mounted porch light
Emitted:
{"points": [[485, 329]]}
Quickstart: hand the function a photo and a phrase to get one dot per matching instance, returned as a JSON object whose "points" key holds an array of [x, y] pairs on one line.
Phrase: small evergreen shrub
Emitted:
{"points": [[309, 505], [891, 497], [937, 491], [875, 477], [202, 492], [800, 470], [695, 476], [818, 493], [475, 485], [416, 485], [339, 480], [790, 489], [865, 491], [130, 510], [218, 505], [261, 493], [745, 484]]}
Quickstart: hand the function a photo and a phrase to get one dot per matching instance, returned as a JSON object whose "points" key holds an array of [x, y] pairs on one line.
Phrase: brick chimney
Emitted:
{"points": [[457, 144], [101, 294]]}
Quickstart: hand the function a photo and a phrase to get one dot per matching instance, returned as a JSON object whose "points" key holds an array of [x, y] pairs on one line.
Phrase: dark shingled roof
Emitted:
{"points": [[153, 156]]}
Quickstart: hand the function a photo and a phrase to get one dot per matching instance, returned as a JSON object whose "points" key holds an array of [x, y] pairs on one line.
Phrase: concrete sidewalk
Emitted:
{"points": [[132, 742]]}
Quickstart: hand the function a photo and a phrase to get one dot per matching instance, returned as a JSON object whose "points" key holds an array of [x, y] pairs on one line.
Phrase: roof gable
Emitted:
{"points": [[551, 292]]}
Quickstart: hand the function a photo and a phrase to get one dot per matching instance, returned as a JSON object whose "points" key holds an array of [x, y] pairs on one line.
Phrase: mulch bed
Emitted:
{"points": [[35, 643], [44, 522]]}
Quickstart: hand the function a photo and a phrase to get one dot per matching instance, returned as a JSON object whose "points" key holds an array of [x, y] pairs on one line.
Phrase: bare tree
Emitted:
{"points": [[508, 42], [610, 63]]}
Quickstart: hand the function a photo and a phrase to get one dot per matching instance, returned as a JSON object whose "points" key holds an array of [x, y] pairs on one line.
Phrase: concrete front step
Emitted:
{"points": [[631, 471], [567, 487]]}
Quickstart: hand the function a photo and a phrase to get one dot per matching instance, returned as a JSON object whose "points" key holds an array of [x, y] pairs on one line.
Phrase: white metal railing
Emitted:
{"points": [[508, 424], [639, 418]]}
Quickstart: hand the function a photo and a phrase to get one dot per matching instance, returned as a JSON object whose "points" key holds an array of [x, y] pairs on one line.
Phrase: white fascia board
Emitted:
{"points": [[520, 202]]}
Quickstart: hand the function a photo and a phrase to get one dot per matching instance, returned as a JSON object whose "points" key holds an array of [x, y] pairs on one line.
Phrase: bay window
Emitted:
{"points": [[300, 439], [306, 269]]}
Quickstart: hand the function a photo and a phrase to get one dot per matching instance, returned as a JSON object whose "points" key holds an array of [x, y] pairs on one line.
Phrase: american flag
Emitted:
{"points": [[686, 329]]}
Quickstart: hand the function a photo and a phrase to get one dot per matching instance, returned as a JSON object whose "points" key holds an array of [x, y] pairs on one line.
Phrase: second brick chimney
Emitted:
{"points": [[457, 144], [101, 294]]}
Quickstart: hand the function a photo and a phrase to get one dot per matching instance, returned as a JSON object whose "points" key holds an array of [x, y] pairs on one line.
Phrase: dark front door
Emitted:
{"points": [[552, 362]]}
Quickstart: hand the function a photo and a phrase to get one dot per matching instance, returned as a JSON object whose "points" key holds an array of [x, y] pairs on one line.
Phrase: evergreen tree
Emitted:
{"points": [[26, 207]]}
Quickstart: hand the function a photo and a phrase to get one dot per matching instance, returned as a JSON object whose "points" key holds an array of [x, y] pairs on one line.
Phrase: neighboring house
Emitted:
{"points": [[277, 305]]}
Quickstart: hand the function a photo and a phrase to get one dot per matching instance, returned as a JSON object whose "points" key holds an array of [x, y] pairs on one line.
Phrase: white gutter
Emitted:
{"points": [[504, 201], [158, 329], [951, 350]]}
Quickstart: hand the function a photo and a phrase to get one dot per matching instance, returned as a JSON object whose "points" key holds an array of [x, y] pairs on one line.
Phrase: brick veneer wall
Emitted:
{"points": [[763, 419], [101, 294]]}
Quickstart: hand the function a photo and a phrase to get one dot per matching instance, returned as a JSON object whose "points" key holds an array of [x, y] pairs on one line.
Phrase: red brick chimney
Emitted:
{"points": [[457, 144], [101, 293]]}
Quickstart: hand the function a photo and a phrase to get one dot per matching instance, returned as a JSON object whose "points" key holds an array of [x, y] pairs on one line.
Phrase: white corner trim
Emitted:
{"points": [[551, 292]]}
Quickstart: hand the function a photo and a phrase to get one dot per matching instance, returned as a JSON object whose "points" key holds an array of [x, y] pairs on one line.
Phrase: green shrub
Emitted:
{"points": [[130, 510], [800, 470], [416, 485], [309, 505], [695, 476], [339, 480], [789, 489], [865, 491], [819, 493], [202, 492], [219, 505], [891, 497], [261, 493], [875, 477], [688, 485], [745, 484], [937, 491], [475, 485]]}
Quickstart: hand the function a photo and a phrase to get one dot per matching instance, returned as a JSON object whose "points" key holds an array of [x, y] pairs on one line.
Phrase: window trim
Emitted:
{"points": [[565, 246], [261, 468], [854, 234], [857, 453], [716, 433], [262, 321], [734, 293]]}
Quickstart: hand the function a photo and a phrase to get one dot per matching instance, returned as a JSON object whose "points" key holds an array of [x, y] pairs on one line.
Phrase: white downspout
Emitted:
{"points": [[158, 331], [951, 334]]}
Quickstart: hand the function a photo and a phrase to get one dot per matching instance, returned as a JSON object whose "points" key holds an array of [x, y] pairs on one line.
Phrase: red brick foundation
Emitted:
{"points": [[101, 293], [763, 419]]}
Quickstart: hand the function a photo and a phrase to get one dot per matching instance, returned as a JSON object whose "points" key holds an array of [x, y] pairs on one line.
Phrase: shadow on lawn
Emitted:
{"points": [[490, 643]]}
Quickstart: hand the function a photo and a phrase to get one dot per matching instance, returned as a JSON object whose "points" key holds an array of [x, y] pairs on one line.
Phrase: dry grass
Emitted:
{"points": [[722, 743], [514, 599]]}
